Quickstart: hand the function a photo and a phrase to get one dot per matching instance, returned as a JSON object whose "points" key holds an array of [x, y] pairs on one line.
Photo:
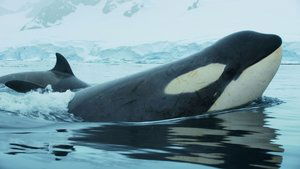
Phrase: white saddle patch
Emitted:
{"points": [[195, 79]]}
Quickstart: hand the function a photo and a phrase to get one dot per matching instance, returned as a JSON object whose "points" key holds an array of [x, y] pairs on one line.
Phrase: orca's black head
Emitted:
{"points": [[250, 61], [242, 50]]}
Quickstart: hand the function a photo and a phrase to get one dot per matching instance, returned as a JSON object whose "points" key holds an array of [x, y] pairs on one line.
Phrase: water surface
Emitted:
{"points": [[263, 135]]}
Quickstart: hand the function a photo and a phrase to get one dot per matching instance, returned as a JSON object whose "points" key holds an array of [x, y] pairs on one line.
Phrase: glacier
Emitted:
{"points": [[148, 53]]}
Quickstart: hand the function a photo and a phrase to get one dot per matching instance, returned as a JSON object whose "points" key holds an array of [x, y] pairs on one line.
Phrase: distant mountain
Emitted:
{"points": [[142, 21], [51, 12]]}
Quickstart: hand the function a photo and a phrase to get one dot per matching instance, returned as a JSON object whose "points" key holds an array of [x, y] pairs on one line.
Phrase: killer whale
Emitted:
{"points": [[60, 77], [230, 73]]}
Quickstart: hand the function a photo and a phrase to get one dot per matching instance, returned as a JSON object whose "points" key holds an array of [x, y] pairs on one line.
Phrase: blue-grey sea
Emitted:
{"points": [[36, 132]]}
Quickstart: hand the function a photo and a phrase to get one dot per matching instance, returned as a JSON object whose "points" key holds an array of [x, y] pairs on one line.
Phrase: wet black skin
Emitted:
{"points": [[61, 78], [141, 97]]}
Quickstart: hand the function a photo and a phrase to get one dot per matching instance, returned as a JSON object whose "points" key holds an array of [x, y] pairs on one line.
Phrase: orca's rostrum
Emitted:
{"points": [[230, 73]]}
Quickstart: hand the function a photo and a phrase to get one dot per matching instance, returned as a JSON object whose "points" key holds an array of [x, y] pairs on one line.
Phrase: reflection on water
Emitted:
{"points": [[233, 140], [57, 150], [240, 139]]}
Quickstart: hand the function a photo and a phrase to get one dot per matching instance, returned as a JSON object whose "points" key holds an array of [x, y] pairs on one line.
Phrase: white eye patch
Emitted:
{"points": [[195, 80]]}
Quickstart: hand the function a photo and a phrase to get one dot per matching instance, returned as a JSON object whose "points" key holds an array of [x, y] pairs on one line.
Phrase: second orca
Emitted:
{"points": [[61, 78]]}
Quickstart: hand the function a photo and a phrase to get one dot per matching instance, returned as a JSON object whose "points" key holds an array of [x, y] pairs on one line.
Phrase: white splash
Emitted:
{"points": [[39, 104]]}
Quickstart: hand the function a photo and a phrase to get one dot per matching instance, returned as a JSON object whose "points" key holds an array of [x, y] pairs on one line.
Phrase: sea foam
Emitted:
{"points": [[40, 104]]}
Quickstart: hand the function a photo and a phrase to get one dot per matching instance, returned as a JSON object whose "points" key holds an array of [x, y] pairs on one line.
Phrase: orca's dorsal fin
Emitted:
{"points": [[62, 65], [22, 86]]}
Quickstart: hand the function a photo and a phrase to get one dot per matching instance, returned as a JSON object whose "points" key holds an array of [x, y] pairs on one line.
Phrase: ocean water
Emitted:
{"points": [[37, 132]]}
